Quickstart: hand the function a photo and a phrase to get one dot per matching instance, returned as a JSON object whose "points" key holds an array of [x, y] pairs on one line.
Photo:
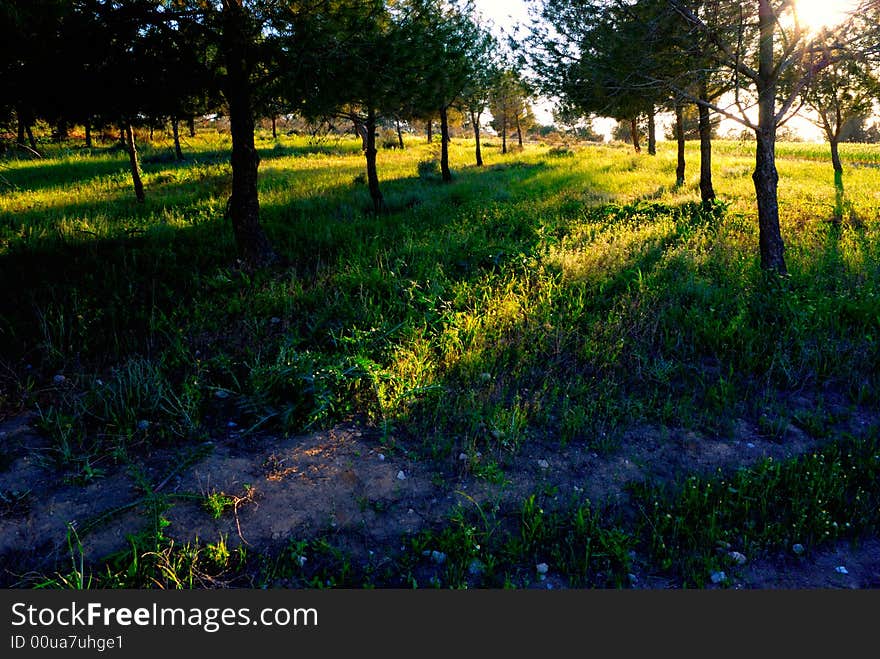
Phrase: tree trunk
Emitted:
{"points": [[274, 129], [88, 127], [175, 130], [191, 122], [634, 131], [475, 120], [151, 133], [399, 133], [707, 190], [135, 165], [430, 130], [679, 139], [504, 136], [445, 174], [652, 132], [370, 152], [244, 203], [519, 133], [766, 177], [835, 154]]}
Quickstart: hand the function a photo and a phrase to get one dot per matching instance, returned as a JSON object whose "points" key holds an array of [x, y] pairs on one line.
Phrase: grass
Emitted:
{"points": [[550, 297]]}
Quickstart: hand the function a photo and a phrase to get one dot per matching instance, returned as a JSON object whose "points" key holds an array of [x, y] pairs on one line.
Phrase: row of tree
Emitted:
{"points": [[628, 58], [125, 62]]}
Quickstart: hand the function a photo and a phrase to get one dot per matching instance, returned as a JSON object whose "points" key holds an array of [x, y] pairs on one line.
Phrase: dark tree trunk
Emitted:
{"points": [[274, 129], [519, 133], [766, 177], [504, 136], [652, 132], [370, 152], [634, 130], [244, 203], [191, 123], [122, 137], [445, 174], [175, 130], [88, 128], [135, 164], [429, 129], [151, 132], [835, 154], [28, 128], [679, 140], [399, 133], [475, 120], [707, 190]]}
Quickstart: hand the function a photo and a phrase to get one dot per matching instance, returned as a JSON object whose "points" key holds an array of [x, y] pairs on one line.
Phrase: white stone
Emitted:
{"points": [[542, 568], [401, 476], [841, 570], [543, 464], [798, 549], [738, 558], [718, 577]]}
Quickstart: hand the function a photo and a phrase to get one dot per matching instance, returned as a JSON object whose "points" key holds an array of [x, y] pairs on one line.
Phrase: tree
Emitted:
{"points": [[761, 43], [509, 105], [843, 92], [364, 60]]}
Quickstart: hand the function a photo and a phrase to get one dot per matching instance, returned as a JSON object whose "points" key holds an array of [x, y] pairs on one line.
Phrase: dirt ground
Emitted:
{"points": [[345, 480]]}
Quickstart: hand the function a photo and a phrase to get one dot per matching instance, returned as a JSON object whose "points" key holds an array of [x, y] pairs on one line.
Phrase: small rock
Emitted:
{"points": [[275, 320], [59, 379], [542, 568], [751, 444], [301, 560], [841, 570], [143, 424], [401, 476], [221, 394], [718, 577], [738, 558], [798, 549], [231, 424], [410, 511], [462, 457], [543, 464], [381, 456]]}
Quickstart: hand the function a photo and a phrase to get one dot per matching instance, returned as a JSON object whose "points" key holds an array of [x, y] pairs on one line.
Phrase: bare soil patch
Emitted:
{"points": [[345, 482]]}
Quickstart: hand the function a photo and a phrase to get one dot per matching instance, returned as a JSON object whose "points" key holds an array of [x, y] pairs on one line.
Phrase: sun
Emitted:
{"points": [[817, 14]]}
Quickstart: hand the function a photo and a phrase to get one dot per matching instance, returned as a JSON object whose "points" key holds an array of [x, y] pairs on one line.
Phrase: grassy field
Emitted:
{"points": [[558, 295]]}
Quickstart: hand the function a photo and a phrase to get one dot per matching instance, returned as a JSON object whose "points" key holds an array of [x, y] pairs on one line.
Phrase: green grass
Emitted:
{"points": [[548, 297]]}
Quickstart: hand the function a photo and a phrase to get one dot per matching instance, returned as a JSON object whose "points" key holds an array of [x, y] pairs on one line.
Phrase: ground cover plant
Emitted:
{"points": [[556, 306]]}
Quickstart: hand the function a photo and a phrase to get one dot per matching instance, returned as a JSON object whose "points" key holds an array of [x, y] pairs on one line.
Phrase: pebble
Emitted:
{"points": [[381, 456], [275, 320], [718, 577], [543, 464], [231, 424], [738, 558], [59, 379], [221, 394], [462, 457], [841, 570], [542, 568], [751, 445], [401, 476], [143, 424], [798, 549]]}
